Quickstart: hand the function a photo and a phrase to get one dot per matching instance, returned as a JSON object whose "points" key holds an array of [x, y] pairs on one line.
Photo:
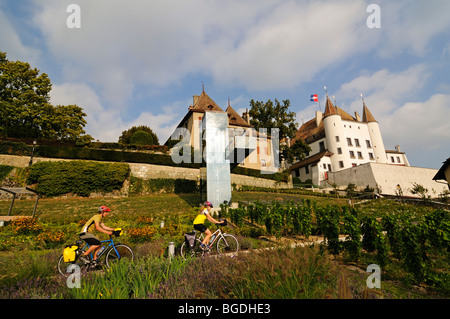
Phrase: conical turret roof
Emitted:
{"points": [[367, 116], [329, 108]]}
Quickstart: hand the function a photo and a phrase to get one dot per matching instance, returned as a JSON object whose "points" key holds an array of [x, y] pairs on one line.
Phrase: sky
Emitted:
{"points": [[139, 62]]}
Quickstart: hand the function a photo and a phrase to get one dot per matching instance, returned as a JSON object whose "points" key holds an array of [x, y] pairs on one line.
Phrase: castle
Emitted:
{"points": [[339, 141]]}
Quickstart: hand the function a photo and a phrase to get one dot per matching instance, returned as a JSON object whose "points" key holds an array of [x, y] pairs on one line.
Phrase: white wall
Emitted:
{"points": [[387, 177]]}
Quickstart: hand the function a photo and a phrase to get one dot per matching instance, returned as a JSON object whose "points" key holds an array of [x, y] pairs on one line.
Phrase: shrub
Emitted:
{"points": [[141, 234], [77, 177], [51, 239], [4, 171], [26, 226], [141, 138]]}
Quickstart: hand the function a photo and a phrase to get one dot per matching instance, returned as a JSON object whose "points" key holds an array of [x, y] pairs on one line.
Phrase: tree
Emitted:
{"points": [[140, 135], [277, 115], [25, 109]]}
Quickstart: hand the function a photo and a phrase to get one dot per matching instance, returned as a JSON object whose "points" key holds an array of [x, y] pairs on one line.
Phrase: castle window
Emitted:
{"points": [[357, 143], [392, 159], [352, 154], [349, 141], [306, 169], [341, 164], [337, 138], [360, 155], [339, 150], [398, 159], [368, 144], [371, 156], [322, 146]]}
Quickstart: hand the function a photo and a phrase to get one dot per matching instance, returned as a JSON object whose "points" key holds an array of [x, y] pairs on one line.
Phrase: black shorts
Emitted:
{"points": [[200, 227], [90, 239]]}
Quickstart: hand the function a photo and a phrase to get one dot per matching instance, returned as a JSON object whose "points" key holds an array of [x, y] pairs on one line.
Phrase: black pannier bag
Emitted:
{"points": [[189, 238]]}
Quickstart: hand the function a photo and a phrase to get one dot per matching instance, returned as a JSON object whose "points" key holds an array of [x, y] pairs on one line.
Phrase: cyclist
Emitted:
{"points": [[86, 232], [199, 223]]}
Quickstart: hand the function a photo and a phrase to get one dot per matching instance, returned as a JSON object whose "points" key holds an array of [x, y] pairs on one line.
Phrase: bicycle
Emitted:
{"points": [[113, 252], [226, 244]]}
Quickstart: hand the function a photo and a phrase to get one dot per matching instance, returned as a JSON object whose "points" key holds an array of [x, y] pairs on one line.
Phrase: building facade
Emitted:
{"points": [[339, 141], [258, 147]]}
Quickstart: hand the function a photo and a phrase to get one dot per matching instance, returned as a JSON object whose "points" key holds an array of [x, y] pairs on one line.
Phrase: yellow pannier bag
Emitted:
{"points": [[69, 253]]}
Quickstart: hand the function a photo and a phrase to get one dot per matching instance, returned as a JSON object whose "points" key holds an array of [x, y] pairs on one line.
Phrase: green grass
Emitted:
{"points": [[28, 268]]}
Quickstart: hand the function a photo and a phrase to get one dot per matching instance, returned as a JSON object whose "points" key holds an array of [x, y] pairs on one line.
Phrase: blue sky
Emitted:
{"points": [[139, 62]]}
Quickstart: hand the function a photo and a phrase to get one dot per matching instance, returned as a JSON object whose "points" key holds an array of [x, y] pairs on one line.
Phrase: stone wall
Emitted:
{"points": [[387, 177], [149, 171]]}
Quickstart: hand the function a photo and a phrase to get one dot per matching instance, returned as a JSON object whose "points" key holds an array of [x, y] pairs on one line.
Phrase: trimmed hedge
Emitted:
{"points": [[165, 185], [4, 171], [78, 177], [108, 155]]}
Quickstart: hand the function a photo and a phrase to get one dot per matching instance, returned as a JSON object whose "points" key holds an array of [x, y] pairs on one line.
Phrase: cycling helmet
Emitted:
{"points": [[207, 204], [103, 209]]}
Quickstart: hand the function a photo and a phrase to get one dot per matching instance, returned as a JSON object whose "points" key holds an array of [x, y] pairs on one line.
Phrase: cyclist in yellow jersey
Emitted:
{"points": [[199, 223], [95, 223]]}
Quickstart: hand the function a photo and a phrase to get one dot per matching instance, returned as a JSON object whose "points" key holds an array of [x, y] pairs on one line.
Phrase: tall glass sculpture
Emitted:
{"points": [[218, 179]]}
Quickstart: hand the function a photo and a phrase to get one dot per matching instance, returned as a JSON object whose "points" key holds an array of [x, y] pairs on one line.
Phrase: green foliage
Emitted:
{"points": [[77, 177], [4, 171], [273, 114], [352, 244], [15, 148], [128, 136], [162, 185], [25, 109], [328, 221], [141, 138], [108, 155]]}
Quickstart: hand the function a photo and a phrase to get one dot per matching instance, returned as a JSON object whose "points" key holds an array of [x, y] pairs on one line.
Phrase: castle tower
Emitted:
{"points": [[335, 137], [375, 135]]}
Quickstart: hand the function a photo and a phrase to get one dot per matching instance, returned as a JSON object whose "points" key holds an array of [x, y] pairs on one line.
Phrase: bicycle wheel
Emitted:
{"points": [[63, 266], [227, 244], [197, 251], [122, 252]]}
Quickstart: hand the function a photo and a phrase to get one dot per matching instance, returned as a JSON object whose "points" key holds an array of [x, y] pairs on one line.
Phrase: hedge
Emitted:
{"points": [[77, 177], [166, 185], [109, 156], [4, 171]]}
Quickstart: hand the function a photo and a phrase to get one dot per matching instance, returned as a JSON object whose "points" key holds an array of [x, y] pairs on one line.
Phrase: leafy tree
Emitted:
{"points": [[277, 115], [141, 138], [128, 137], [25, 109]]}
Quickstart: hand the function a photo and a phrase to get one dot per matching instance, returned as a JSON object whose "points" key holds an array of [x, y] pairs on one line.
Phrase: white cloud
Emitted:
{"points": [[409, 26], [11, 43], [383, 89], [419, 126]]}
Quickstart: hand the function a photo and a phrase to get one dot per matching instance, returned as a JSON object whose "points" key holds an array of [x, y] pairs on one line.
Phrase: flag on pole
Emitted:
{"points": [[314, 98]]}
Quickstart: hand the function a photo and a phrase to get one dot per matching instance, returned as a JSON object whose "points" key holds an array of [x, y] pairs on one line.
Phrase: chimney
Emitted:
{"points": [[319, 117], [245, 116], [195, 98], [357, 117]]}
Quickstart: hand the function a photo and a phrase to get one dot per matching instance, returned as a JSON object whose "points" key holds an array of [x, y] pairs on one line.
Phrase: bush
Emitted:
{"points": [[141, 138], [85, 153], [26, 226], [165, 185], [77, 177], [4, 171]]}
